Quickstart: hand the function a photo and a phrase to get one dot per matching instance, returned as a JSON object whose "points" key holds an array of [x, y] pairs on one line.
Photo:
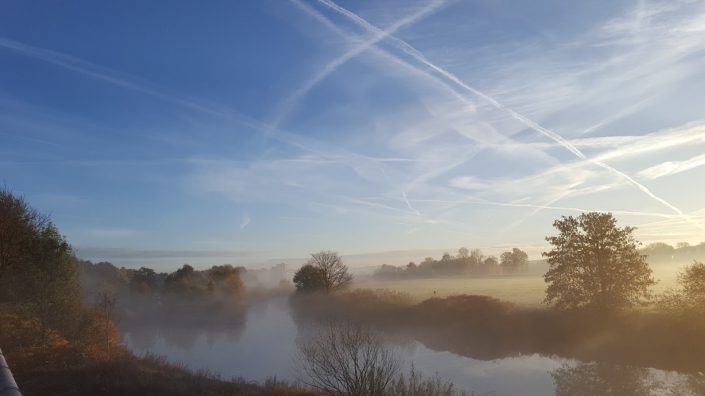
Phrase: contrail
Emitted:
{"points": [[411, 208], [98, 72], [377, 36], [414, 53], [622, 113], [547, 207]]}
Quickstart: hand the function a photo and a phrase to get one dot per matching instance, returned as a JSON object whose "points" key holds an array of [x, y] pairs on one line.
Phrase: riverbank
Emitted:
{"points": [[486, 328], [141, 376], [47, 363]]}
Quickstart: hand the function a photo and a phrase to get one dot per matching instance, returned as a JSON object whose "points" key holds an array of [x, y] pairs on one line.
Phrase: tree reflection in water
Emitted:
{"points": [[590, 379]]}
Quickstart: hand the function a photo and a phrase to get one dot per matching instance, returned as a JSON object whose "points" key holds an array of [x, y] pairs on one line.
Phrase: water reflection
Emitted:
{"points": [[265, 344], [588, 379], [255, 349], [144, 336]]}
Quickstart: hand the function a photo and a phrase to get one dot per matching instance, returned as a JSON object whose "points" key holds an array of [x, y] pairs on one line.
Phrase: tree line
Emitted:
{"points": [[593, 264], [465, 263], [663, 253], [186, 282]]}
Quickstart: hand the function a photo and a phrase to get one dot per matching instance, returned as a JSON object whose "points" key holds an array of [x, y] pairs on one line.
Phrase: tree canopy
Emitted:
{"points": [[595, 263], [37, 266], [309, 278], [323, 271], [335, 273], [515, 261]]}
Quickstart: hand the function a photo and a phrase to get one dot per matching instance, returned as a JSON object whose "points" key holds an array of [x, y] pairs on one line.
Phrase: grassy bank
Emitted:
{"points": [[93, 362], [523, 290], [130, 375], [483, 327]]}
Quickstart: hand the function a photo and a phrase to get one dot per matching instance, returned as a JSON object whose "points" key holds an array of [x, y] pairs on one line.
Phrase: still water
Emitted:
{"points": [[264, 345]]}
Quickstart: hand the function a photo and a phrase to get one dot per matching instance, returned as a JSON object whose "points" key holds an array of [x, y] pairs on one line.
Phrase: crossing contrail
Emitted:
{"points": [[418, 56]]}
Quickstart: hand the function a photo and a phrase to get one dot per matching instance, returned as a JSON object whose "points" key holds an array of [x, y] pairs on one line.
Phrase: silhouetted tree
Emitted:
{"points": [[595, 263], [489, 265], [310, 278], [463, 252], [347, 359], [335, 273], [106, 304], [515, 261]]}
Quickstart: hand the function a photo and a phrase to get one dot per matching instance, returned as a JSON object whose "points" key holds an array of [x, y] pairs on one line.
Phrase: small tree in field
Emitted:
{"points": [[335, 273], [595, 263], [309, 278]]}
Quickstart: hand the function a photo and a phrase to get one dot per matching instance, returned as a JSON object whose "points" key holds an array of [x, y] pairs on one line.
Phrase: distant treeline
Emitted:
{"points": [[213, 294], [104, 277], [663, 253], [219, 280], [466, 263]]}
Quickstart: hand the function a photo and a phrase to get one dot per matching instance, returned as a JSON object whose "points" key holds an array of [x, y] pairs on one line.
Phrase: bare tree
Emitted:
{"points": [[346, 359], [417, 385], [335, 272], [106, 303]]}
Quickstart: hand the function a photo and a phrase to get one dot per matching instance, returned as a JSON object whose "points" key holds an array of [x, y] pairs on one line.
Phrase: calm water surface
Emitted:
{"points": [[265, 346]]}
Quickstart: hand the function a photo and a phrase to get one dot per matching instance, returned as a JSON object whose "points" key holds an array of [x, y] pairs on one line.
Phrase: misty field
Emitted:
{"points": [[525, 291]]}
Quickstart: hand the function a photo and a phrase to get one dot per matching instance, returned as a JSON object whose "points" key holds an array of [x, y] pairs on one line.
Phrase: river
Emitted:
{"points": [[264, 345]]}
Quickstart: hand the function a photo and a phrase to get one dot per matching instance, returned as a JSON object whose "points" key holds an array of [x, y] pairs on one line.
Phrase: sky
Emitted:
{"points": [[254, 132]]}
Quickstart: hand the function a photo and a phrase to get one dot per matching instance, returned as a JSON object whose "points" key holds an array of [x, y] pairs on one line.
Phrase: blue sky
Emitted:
{"points": [[171, 132]]}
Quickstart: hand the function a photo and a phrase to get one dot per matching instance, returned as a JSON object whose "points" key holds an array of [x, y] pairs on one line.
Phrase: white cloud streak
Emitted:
{"points": [[100, 73], [669, 168], [292, 100], [404, 46], [246, 220]]}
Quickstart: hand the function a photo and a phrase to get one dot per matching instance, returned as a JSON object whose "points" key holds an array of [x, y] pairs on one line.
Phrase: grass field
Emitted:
{"points": [[525, 291]]}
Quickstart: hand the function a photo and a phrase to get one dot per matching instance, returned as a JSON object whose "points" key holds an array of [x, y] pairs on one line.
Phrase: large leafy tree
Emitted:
{"points": [[596, 264], [37, 268], [310, 278]]}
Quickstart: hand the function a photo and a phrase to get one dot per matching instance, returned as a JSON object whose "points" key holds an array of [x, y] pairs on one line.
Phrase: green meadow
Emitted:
{"points": [[527, 291]]}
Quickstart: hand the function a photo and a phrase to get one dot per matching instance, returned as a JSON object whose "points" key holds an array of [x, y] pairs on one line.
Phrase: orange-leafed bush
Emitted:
{"points": [[98, 338], [27, 344]]}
